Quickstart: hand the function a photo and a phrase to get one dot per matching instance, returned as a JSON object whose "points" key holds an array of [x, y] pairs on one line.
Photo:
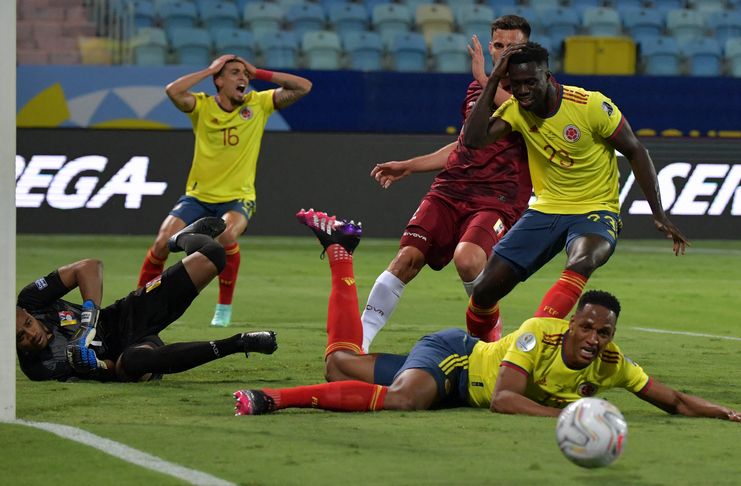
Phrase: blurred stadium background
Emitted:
{"points": [[100, 150]]}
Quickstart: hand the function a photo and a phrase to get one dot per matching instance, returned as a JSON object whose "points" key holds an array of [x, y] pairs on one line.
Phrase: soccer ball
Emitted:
{"points": [[591, 432]]}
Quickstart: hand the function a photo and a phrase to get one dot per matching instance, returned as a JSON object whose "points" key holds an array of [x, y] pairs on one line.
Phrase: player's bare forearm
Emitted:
{"points": [[676, 402], [178, 90], [434, 161], [292, 88], [476, 129], [87, 275], [510, 402]]}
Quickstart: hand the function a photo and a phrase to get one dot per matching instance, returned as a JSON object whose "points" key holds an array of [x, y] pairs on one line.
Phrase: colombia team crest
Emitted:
{"points": [[571, 133], [587, 389], [245, 113]]}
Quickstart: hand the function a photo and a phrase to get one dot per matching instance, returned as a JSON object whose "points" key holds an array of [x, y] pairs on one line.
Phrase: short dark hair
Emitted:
{"points": [[531, 52], [216, 75], [511, 22], [600, 297]]}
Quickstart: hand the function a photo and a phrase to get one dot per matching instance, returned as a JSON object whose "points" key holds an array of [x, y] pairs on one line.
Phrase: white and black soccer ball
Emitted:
{"points": [[591, 432]]}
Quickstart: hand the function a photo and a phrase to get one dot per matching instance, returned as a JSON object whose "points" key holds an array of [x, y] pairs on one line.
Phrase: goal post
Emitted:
{"points": [[7, 209]]}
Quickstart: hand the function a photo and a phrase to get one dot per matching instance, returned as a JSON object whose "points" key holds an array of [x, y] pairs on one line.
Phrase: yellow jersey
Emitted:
{"points": [[226, 147], [573, 167], [535, 350]]}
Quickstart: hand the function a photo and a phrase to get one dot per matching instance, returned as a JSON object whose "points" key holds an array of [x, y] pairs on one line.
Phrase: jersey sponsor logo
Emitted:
{"points": [[68, 184], [692, 190], [414, 235], [526, 342], [587, 389], [245, 113], [571, 133], [67, 318], [374, 309], [607, 108], [153, 284], [41, 283]]}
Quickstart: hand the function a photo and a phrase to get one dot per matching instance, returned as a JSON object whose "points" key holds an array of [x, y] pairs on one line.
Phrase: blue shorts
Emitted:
{"points": [[537, 237], [444, 355], [190, 209]]}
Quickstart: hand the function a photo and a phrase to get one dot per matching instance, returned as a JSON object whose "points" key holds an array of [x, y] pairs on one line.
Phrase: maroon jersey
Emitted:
{"points": [[496, 176]]}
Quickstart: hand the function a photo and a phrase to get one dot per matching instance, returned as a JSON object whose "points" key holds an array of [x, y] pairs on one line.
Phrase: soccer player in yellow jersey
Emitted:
{"points": [[536, 370], [571, 136], [228, 129]]}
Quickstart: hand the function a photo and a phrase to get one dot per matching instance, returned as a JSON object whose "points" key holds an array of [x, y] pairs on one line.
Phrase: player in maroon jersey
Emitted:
{"points": [[473, 201]]}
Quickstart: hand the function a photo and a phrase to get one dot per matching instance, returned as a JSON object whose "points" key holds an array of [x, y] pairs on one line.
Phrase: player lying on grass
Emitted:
{"points": [[56, 340], [535, 370]]}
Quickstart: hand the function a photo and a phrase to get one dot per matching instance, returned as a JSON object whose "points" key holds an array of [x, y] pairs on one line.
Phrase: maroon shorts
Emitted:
{"points": [[439, 224]]}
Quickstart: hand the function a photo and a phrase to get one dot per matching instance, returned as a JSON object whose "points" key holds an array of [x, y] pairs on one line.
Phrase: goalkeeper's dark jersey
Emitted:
{"points": [[42, 300]]}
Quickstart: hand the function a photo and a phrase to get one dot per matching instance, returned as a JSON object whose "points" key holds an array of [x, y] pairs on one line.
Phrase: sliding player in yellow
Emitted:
{"points": [[535, 370], [228, 129], [571, 136]]}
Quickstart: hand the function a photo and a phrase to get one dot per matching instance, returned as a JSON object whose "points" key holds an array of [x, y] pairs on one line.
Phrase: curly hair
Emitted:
{"points": [[600, 297], [531, 52]]}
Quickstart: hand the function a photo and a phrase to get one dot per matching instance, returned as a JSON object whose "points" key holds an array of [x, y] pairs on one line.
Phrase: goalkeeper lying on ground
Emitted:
{"points": [[58, 340]]}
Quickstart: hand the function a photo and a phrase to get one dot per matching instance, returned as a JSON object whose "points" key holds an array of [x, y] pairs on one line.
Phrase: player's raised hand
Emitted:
{"points": [[500, 68], [218, 63], [672, 232], [251, 69], [477, 60], [390, 172]]}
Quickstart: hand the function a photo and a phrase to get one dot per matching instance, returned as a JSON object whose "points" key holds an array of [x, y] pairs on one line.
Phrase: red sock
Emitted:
{"points": [[228, 276], [483, 322], [344, 328], [152, 266], [339, 396], [562, 297]]}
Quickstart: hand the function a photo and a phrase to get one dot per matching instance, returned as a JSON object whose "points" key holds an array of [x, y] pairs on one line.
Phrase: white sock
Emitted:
{"points": [[383, 299], [470, 285]]}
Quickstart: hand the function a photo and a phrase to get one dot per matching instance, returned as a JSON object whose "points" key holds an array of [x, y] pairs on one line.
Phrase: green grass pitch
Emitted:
{"points": [[187, 418]]}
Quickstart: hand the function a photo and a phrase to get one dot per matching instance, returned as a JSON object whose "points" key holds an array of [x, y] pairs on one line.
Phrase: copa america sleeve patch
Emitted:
{"points": [[41, 283], [526, 342]]}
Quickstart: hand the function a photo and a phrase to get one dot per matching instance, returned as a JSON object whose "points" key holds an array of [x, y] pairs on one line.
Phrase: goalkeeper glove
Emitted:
{"points": [[88, 321], [84, 360]]}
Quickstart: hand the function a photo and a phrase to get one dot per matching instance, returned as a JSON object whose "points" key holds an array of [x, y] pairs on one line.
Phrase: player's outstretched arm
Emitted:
{"points": [[87, 275], [387, 173], [509, 396], [676, 402], [628, 144]]}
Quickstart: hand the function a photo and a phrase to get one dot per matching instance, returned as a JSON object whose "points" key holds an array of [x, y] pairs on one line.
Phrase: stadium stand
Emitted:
{"points": [[191, 45], [364, 50], [279, 49], [322, 49], [408, 52], [64, 31], [305, 17], [450, 54], [733, 56], [432, 19], [347, 17], [263, 17], [661, 56], [391, 19], [234, 41], [704, 57]]}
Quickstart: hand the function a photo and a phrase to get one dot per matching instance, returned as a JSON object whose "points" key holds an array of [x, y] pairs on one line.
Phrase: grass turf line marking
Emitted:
{"points": [[685, 333], [128, 454]]}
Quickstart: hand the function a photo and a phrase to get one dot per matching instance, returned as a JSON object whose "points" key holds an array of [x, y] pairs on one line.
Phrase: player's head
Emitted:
{"points": [[232, 79], [30, 334], [591, 328], [507, 30], [529, 76]]}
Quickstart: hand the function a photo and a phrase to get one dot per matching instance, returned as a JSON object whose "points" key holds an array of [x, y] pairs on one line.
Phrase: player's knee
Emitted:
{"points": [[131, 365], [468, 266], [214, 252], [402, 400]]}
